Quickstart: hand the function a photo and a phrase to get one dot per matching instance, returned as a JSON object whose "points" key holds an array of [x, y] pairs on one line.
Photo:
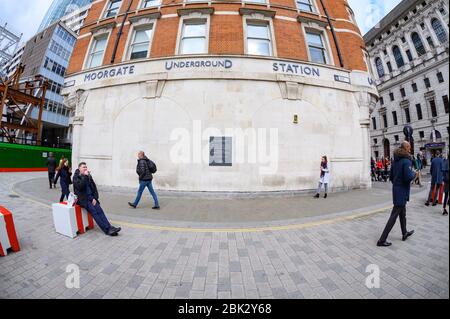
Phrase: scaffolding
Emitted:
{"points": [[9, 40], [18, 100]]}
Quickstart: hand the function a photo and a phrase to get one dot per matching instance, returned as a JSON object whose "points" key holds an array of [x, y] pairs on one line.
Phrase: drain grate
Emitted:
{"points": [[14, 196]]}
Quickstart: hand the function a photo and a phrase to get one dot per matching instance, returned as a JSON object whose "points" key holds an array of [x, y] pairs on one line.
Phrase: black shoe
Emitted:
{"points": [[407, 235], [156, 207], [113, 231], [325, 196], [317, 196], [434, 204], [132, 205], [383, 244], [427, 204], [445, 213]]}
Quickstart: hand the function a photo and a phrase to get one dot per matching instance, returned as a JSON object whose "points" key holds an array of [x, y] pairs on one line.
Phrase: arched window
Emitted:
{"points": [[418, 44], [439, 30], [398, 56], [379, 66]]}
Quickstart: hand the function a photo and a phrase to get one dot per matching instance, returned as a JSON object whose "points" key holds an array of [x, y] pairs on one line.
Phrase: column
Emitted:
{"points": [[424, 41], [391, 57], [433, 34], [400, 46], [412, 48]]}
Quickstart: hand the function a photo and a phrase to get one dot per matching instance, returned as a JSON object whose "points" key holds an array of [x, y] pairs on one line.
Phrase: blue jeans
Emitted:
{"points": [[142, 186], [99, 216]]}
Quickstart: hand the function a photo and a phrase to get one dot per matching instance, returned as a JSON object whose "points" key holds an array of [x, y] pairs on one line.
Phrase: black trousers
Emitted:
{"points": [[397, 211], [51, 178]]}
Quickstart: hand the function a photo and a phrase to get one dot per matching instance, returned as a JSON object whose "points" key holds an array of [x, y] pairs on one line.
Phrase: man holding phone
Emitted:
{"points": [[86, 190]]}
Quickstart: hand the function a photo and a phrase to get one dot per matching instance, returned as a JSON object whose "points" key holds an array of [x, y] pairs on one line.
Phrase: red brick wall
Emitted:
{"points": [[226, 33]]}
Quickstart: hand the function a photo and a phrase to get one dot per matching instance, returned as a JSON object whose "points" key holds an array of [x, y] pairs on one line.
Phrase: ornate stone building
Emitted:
{"points": [[242, 96], [409, 52]]}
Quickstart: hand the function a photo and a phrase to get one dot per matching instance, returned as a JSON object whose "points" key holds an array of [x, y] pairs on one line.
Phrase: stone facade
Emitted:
{"points": [[174, 106], [409, 59]]}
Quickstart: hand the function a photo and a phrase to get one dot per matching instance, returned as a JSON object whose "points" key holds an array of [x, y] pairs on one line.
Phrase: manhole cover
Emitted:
{"points": [[14, 196]]}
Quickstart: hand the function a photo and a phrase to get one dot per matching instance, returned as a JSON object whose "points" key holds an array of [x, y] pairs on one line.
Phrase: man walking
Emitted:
{"points": [[51, 167], [86, 190], [401, 176], [145, 170], [436, 178]]}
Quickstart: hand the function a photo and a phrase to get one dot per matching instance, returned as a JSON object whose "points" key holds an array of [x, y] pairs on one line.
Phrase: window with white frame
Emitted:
{"points": [[316, 47], [140, 43], [150, 3], [193, 37], [258, 38], [113, 8], [97, 51], [305, 5], [256, 1]]}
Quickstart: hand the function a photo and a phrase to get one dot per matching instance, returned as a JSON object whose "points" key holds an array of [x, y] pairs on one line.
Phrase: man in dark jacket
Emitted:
{"points": [[436, 178], [145, 170], [401, 176], [86, 191], [51, 167]]}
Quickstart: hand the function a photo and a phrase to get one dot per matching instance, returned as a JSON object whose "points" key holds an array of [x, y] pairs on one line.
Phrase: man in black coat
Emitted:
{"points": [[86, 191], [401, 176], [145, 170], [51, 167]]}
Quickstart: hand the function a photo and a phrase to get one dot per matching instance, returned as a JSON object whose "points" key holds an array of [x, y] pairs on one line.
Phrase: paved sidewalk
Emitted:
{"points": [[321, 260]]}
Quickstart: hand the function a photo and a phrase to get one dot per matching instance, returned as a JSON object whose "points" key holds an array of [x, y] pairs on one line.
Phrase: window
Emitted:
{"points": [[403, 40], [113, 8], [398, 57], [414, 87], [389, 66], [440, 77], [419, 112], [193, 39], [316, 47], [258, 38], [375, 141], [396, 138], [381, 101], [140, 44], [402, 92], [374, 124], [150, 3], [97, 51], [391, 96], [394, 116], [409, 55], [445, 100], [385, 121], [433, 108], [439, 30], [220, 151], [407, 115], [379, 66], [421, 134], [352, 15], [56, 68], [418, 44], [427, 83], [305, 5]]}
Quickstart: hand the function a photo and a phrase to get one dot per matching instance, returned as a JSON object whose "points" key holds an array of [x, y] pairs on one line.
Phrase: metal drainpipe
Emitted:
{"points": [[119, 34], [334, 34]]}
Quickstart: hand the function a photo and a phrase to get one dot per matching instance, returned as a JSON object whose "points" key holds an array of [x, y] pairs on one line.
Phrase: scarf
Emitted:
{"points": [[324, 166]]}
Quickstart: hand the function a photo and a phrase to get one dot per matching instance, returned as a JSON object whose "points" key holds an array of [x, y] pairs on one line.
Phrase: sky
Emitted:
{"points": [[25, 16]]}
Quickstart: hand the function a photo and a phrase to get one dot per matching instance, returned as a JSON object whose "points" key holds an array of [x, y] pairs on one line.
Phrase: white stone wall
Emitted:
{"points": [[427, 66], [115, 118]]}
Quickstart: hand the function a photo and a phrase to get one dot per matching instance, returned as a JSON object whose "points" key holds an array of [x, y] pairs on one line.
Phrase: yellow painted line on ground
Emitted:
{"points": [[229, 230]]}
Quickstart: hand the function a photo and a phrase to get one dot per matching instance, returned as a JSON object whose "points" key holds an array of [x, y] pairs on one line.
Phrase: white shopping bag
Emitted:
{"points": [[72, 199]]}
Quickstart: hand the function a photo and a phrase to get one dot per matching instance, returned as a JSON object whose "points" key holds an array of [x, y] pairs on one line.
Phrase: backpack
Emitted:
{"points": [[152, 167]]}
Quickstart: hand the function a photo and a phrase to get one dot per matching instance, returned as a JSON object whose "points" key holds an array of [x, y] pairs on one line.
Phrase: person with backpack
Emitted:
{"points": [[145, 170], [445, 172]]}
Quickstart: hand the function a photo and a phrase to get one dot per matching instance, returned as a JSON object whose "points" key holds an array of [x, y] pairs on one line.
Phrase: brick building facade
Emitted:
{"points": [[297, 66]]}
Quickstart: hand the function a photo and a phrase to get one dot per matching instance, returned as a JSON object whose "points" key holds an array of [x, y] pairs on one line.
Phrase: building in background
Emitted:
{"points": [[11, 67], [61, 8], [175, 68], [48, 54], [9, 42], [409, 55]]}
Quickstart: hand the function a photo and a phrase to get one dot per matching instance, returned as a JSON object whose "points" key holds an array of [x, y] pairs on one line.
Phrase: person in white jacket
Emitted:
{"points": [[324, 177]]}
